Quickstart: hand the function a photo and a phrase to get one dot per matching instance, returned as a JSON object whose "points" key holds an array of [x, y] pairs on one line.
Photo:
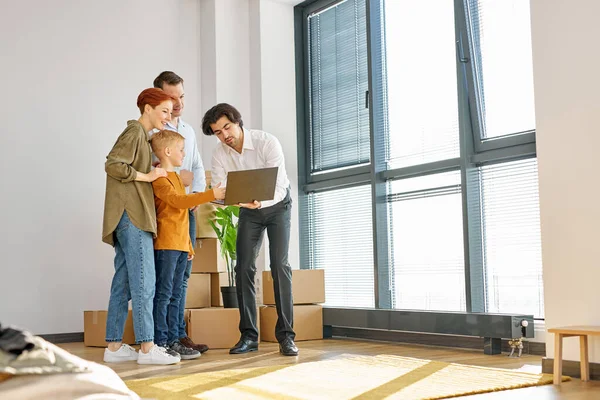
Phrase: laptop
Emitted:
{"points": [[249, 185]]}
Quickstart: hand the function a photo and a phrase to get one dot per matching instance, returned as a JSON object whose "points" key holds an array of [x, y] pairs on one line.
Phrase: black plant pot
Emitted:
{"points": [[229, 297]]}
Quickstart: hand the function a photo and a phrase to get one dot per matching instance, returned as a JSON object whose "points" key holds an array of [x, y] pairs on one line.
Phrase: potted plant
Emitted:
{"points": [[225, 226]]}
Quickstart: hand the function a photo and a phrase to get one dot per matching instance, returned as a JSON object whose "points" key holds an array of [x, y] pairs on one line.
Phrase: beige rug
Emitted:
{"points": [[346, 377]]}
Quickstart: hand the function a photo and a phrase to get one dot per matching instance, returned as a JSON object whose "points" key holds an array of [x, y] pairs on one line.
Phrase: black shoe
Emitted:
{"points": [[288, 348], [244, 346]]}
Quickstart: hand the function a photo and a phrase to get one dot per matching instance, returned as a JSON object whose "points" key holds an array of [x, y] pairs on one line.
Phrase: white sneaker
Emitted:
{"points": [[125, 353], [157, 355]]}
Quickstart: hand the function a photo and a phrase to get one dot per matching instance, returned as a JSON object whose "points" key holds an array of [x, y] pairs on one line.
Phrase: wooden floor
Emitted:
{"points": [[323, 349]]}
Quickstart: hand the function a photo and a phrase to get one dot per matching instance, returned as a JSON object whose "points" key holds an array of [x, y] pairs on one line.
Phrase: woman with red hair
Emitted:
{"points": [[130, 226]]}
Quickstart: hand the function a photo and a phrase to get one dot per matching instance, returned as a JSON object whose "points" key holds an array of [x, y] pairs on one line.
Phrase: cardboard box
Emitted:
{"points": [[218, 328], [94, 328], [308, 286], [198, 291], [208, 257], [204, 213], [308, 322], [216, 282]]}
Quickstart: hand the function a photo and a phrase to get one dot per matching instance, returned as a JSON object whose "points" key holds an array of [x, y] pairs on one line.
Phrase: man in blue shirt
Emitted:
{"points": [[191, 173]]}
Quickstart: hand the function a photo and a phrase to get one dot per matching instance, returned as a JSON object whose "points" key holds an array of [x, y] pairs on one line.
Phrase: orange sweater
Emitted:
{"points": [[172, 204]]}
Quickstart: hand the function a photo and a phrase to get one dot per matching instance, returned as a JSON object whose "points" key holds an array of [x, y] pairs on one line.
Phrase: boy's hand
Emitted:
{"points": [[254, 205], [187, 177], [190, 257], [157, 173], [219, 192]]}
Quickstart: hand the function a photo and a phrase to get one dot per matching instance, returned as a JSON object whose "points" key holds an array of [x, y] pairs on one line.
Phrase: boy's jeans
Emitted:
{"points": [[170, 268], [134, 279], [186, 277]]}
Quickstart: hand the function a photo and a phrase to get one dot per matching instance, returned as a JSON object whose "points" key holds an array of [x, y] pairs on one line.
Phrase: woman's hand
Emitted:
{"points": [[157, 173]]}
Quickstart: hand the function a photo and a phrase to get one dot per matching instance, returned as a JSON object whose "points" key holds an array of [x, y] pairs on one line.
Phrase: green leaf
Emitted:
{"points": [[217, 230], [227, 219], [221, 214]]}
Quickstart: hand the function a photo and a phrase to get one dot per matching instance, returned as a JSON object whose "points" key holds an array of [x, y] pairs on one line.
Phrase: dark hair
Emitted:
{"points": [[153, 97], [218, 111], [168, 77]]}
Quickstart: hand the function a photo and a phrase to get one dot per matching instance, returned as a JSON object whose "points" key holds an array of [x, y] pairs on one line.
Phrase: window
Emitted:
{"points": [[511, 238], [503, 69], [427, 243], [338, 84], [340, 241], [419, 182], [421, 82]]}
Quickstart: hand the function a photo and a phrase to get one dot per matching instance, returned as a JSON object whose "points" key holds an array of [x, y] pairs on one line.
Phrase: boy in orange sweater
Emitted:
{"points": [[172, 246]]}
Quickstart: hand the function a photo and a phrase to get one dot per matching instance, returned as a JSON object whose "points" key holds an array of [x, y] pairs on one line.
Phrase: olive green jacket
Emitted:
{"points": [[131, 153]]}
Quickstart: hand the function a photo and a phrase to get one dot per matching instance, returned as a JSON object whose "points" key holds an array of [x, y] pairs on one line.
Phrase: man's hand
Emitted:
{"points": [[187, 177], [254, 205]]}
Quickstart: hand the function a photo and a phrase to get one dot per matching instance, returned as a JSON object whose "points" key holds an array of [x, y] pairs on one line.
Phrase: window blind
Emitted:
{"points": [[511, 238], [337, 87], [421, 82], [503, 67], [426, 237], [340, 241]]}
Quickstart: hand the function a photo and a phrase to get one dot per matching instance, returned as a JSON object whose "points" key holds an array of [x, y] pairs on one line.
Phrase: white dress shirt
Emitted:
{"points": [[192, 161], [260, 150]]}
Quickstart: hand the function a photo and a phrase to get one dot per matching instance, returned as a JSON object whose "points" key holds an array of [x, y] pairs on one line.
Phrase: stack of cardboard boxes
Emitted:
{"points": [[308, 290], [207, 321]]}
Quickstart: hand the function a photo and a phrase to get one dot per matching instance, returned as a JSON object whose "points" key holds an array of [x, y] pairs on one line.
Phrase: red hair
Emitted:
{"points": [[152, 97]]}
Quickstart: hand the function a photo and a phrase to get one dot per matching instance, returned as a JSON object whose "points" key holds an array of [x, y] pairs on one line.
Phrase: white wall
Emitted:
{"points": [[72, 71], [278, 93], [567, 86]]}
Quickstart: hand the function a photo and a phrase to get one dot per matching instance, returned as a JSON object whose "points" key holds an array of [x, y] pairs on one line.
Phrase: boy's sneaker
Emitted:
{"points": [[125, 353], [171, 351], [158, 356], [188, 342], [185, 352]]}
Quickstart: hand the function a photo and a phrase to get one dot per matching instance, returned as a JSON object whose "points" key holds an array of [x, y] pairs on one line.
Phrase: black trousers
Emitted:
{"points": [[252, 224]]}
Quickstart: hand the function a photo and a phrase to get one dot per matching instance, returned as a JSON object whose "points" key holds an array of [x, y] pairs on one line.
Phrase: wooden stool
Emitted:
{"points": [[583, 332]]}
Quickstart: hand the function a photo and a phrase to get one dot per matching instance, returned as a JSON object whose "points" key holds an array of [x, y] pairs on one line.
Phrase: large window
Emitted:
{"points": [[419, 128], [340, 241]]}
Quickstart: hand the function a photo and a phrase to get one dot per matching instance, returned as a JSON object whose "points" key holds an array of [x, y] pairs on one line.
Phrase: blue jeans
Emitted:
{"points": [[186, 277], [170, 268], [134, 280]]}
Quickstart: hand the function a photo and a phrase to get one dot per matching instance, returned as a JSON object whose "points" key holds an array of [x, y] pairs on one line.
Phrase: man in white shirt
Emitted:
{"points": [[191, 173], [243, 149]]}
